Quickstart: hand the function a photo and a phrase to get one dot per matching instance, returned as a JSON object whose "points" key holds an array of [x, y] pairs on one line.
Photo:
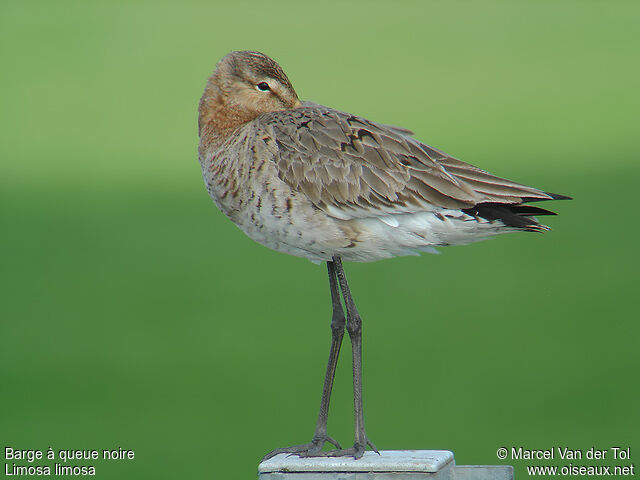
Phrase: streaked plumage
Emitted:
{"points": [[326, 185], [314, 182]]}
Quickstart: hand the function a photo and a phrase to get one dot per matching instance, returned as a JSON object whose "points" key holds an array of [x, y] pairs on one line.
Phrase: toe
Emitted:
{"points": [[372, 446]]}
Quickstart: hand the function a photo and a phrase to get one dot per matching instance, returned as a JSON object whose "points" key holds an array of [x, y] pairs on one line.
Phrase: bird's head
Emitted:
{"points": [[244, 85]]}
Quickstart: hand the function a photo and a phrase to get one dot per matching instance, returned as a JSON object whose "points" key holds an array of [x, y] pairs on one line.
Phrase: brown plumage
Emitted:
{"points": [[326, 185], [364, 168], [229, 99], [344, 165]]}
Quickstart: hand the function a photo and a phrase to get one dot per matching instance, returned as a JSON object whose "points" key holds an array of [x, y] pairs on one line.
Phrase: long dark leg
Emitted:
{"points": [[354, 327], [337, 333]]}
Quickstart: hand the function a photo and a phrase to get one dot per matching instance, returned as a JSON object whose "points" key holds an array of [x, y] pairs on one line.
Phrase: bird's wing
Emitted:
{"points": [[351, 167]]}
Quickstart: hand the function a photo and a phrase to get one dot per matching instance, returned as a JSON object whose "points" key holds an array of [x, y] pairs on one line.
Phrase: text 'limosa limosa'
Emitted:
{"points": [[326, 185]]}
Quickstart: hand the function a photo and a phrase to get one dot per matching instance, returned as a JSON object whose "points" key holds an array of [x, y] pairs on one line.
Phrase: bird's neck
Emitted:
{"points": [[217, 120]]}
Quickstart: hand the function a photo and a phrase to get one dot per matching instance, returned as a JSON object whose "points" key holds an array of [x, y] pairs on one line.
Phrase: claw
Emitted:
{"points": [[345, 452], [292, 450], [334, 442], [357, 451], [314, 449], [311, 449], [373, 447]]}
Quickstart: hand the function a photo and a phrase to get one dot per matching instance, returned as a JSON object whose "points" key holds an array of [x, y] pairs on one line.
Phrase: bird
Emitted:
{"points": [[330, 186]]}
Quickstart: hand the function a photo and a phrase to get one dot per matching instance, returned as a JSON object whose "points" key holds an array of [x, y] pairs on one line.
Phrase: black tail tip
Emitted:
{"points": [[556, 196]]}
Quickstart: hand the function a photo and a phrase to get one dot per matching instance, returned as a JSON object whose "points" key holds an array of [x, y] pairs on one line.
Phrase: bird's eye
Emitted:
{"points": [[263, 87]]}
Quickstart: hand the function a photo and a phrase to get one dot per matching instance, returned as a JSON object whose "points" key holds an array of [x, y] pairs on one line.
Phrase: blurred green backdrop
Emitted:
{"points": [[135, 315]]}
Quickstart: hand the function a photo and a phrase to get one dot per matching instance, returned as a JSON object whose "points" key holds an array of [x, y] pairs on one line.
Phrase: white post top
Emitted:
{"points": [[424, 461]]}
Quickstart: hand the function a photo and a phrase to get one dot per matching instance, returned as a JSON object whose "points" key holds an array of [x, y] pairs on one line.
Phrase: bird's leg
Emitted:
{"points": [[314, 448], [337, 332], [354, 327]]}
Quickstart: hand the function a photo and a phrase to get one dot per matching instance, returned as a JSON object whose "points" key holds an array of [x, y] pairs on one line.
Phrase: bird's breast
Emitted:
{"points": [[243, 182]]}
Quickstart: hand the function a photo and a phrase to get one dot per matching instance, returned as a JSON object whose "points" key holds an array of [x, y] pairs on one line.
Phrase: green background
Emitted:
{"points": [[134, 314]]}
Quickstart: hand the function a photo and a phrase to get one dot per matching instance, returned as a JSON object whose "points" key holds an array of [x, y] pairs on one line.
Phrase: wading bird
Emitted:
{"points": [[315, 182]]}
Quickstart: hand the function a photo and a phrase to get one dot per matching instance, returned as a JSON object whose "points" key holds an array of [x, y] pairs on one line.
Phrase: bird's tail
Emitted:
{"points": [[517, 215]]}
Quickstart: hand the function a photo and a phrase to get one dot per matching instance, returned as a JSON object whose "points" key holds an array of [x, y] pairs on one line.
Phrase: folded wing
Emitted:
{"points": [[354, 168]]}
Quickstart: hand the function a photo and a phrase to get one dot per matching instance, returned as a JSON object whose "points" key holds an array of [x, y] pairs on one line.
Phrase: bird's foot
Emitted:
{"points": [[311, 449], [357, 451]]}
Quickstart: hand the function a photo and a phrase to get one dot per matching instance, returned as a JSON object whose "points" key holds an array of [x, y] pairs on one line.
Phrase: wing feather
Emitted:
{"points": [[353, 168]]}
